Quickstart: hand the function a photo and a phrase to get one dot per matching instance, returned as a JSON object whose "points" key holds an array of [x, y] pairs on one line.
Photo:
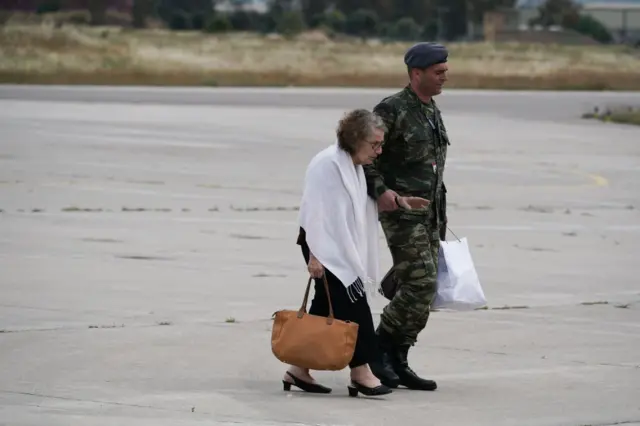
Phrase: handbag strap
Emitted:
{"points": [[303, 308]]}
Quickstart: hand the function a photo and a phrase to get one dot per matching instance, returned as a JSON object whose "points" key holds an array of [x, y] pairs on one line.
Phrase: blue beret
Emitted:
{"points": [[423, 55]]}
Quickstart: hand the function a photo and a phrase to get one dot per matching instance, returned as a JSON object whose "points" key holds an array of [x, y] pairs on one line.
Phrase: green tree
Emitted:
{"points": [[252, 21], [184, 14], [312, 9], [564, 13], [140, 10], [290, 23], [420, 10], [453, 19], [351, 6], [406, 29], [387, 9], [363, 23], [98, 12], [48, 6], [218, 23], [590, 26], [332, 19], [278, 7]]}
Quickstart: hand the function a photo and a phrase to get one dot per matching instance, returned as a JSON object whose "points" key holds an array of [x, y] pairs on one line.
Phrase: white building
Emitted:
{"points": [[230, 6]]}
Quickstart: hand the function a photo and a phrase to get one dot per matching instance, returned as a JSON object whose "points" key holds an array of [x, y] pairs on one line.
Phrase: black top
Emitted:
{"points": [[302, 237]]}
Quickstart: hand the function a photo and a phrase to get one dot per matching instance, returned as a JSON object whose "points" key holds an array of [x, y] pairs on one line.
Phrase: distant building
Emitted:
{"points": [[230, 6], [32, 5], [621, 17]]}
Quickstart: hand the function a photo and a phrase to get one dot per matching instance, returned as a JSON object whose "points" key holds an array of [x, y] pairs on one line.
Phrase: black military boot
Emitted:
{"points": [[382, 368], [408, 377]]}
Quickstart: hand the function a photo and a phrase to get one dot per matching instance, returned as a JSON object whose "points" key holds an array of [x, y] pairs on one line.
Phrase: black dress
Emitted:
{"points": [[344, 308]]}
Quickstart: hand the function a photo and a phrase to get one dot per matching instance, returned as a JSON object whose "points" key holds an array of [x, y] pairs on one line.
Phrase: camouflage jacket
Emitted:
{"points": [[414, 151]]}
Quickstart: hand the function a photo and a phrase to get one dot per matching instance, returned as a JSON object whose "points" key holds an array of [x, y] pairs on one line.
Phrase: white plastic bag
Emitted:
{"points": [[458, 284]]}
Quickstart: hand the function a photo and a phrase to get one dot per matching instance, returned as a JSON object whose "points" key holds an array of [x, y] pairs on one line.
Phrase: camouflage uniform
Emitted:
{"points": [[412, 163]]}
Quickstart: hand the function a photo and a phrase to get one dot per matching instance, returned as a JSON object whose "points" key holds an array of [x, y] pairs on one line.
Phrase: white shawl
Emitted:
{"points": [[341, 221]]}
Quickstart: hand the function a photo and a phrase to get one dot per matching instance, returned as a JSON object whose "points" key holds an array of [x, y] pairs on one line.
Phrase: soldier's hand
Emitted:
{"points": [[387, 201], [411, 203]]}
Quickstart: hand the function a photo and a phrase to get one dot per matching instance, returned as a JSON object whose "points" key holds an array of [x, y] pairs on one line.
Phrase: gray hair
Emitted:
{"points": [[357, 126]]}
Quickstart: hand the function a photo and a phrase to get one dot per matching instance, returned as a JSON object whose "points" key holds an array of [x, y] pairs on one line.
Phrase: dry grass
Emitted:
{"points": [[630, 117], [617, 114], [48, 54]]}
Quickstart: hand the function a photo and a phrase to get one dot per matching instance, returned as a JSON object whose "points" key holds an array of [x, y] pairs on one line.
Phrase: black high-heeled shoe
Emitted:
{"points": [[356, 387], [305, 386]]}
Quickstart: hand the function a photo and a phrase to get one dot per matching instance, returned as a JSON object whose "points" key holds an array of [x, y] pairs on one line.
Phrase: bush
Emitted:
{"points": [[405, 29], [218, 24], [430, 30], [593, 28], [179, 21], [363, 23], [48, 6], [619, 114], [335, 20], [183, 15], [251, 21], [290, 23]]}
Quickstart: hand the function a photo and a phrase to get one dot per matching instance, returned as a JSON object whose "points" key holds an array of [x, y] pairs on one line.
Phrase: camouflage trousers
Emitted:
{"points": [[414, 245]]}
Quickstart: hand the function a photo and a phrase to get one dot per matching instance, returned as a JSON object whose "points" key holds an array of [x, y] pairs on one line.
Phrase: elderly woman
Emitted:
{"points": [[339, 239]]}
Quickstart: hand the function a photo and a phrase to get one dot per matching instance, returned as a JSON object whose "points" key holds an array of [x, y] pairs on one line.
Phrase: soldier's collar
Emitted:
{"points": [[414, 100]]}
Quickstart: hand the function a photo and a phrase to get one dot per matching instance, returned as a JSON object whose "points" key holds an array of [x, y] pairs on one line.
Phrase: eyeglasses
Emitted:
{"points": [[375, 145]]}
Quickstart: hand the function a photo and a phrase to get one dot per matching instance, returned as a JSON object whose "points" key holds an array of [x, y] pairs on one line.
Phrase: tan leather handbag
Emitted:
{"points": [[311, 341]]}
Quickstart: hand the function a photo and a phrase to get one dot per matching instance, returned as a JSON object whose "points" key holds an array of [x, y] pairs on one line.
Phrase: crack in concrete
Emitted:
{"points": [[607, 364], [118, 324], [39, 308], [450, 348], [545, 357], [66, 398], [220, 420]]}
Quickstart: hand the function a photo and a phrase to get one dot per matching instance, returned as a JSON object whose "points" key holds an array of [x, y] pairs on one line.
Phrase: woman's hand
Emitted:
{"points": [[387, 201], [316, 270], [411, 203]]}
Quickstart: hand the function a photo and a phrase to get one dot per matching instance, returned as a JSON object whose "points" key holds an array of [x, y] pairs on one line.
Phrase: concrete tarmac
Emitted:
{"points": [[147, 236], [546, 105]]}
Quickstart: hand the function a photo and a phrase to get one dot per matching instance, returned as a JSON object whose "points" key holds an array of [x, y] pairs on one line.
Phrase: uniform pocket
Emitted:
{"points": [[409, 239], [418, 148], [401, 227], [412, 261]]}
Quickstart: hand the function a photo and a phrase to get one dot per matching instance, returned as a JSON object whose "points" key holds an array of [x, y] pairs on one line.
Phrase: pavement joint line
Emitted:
{"points": [[545, 357], [188, 409], [554, 326], [607, 364], [448, 348], [576, 320], [39, 395], [163, 216], [109, 325], [515, 372]]}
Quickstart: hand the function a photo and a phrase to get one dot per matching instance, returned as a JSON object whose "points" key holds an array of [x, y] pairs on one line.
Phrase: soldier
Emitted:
{"points": [[411, 164]]}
